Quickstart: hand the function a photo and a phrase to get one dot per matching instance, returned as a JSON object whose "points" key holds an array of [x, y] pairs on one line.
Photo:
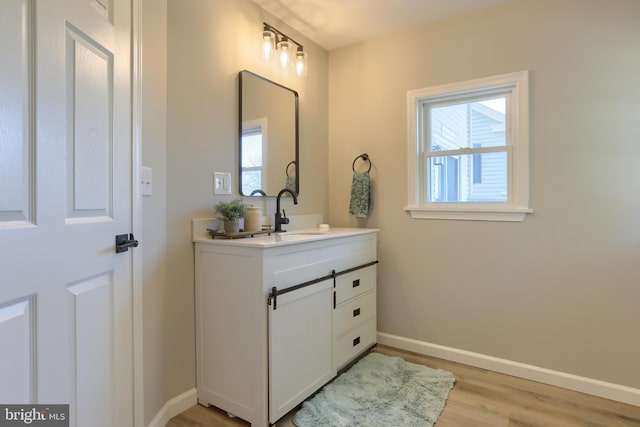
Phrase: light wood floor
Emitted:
{"points": [[480, 398]]}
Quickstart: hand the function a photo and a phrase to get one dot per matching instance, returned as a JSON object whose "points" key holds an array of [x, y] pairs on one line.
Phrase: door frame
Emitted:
{"points": [[136, 210]]}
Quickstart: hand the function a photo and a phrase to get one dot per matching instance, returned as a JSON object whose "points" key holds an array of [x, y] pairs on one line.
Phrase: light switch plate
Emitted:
{"points": [[221, 183], [146, 181]]}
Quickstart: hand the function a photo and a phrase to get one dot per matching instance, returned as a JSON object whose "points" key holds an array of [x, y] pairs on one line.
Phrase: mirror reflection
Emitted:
{"points": [[268, 136]]}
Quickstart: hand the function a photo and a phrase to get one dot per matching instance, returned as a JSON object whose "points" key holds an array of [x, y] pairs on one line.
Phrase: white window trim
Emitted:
{"points": [[514, 209]]}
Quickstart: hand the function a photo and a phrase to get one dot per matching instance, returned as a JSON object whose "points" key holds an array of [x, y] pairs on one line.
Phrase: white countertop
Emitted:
{"points": [[201, 235]]}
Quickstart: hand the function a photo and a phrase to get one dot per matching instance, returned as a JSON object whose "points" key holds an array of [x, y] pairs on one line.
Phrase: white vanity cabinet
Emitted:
{"points": [[278, 316]]}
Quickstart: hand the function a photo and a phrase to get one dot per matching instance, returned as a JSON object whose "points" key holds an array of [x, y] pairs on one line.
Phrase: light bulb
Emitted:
{"points": [[283, 49], [301, 63], [268, 44]]}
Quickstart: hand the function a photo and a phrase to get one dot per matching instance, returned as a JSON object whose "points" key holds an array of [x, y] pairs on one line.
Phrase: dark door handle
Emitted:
{"points": [[124, 242]]}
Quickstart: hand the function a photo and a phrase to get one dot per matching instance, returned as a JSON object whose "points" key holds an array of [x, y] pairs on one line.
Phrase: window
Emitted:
{"points": [[469, 150]]}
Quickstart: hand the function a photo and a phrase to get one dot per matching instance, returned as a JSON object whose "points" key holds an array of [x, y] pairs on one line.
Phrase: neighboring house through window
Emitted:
{"points": [[468, 150], [254, 135]]}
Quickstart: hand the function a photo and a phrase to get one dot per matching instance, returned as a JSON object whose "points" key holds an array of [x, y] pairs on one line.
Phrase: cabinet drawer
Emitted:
{"points": [[354, 342], [354, 283], [353, 313], [293, 264]]}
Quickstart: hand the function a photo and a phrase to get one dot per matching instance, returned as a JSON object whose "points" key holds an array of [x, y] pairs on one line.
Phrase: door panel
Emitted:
{"points": [[104, 7], [300, 346], [91, 327], [89, 76], [16, 79], [17, 333]]}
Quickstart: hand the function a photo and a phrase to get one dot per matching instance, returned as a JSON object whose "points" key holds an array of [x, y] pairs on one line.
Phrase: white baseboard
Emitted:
{"points": [[173, 407], [591, 386]]}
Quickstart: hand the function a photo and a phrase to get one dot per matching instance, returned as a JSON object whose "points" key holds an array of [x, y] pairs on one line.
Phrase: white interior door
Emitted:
{"points": [[65, 192]]}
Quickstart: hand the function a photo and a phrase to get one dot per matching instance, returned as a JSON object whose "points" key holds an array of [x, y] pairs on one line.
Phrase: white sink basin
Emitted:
{"points": [[307, 233], [286, 237]]}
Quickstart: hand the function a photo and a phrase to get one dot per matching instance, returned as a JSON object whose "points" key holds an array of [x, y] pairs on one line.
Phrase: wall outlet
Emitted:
{"points": [[221, 183]]}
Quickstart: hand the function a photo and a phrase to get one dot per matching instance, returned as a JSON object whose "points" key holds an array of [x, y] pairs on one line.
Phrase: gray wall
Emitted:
{"points": [[157, 295], [561, 289], [192, 53]]}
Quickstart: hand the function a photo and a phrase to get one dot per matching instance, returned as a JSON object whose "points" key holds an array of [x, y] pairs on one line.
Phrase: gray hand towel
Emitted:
{"points": [[360, 204]]}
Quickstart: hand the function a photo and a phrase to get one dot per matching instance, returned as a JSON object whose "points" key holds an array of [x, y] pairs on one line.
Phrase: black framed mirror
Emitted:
{"points": [[268, 136]]}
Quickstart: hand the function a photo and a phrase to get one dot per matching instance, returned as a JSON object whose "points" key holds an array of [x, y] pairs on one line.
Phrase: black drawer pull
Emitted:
{"points": [[356, 283], [356, 341], [356, 312]]}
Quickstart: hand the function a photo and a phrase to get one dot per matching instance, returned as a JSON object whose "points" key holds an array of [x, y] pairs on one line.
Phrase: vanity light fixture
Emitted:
{"points": [[276, 43]]}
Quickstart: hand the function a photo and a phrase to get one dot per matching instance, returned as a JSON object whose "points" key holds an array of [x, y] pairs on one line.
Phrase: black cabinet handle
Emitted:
{"points": [[356, 312], [356, 283], [356, 341]]}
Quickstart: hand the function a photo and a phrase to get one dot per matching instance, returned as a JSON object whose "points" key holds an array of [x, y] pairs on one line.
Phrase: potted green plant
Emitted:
{"points": [[230, 213]]}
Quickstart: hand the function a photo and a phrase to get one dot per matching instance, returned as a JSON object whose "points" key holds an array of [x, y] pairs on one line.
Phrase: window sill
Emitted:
{"points": [[476, 214]]}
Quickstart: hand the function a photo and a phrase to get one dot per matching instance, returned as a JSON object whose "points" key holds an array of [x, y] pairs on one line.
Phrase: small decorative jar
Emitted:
{"points": [[253, 220]]}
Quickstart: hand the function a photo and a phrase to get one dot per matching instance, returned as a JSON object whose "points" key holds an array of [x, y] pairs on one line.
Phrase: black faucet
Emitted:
{"points": [[282, 219]]}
